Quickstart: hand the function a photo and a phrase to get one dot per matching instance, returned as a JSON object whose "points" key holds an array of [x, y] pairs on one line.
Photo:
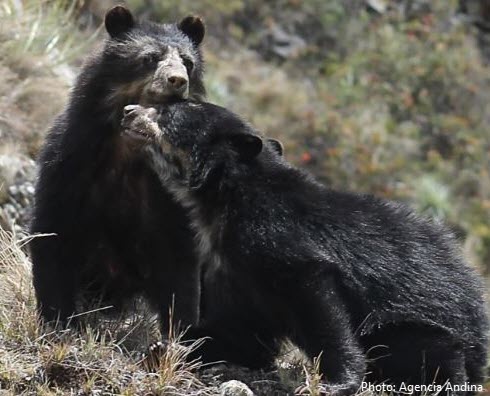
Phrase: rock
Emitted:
{"points": [[17, 175], [415, 8], [16, 168], [477, 12], [282, 44], [235, 388], [13, 190], [378, 6], [277, 382]]}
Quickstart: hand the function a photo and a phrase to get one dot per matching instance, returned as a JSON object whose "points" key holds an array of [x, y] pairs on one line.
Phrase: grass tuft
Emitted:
{"points": [[105, 357]]}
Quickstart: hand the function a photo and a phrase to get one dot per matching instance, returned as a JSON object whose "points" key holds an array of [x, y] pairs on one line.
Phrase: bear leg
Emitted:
{"points": [[234, 346], [415, 354], [323, 330], [54, 284]]}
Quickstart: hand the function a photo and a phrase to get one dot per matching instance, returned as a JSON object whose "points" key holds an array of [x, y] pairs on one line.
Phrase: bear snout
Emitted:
{"points": [[177, 82], [170, 80]]}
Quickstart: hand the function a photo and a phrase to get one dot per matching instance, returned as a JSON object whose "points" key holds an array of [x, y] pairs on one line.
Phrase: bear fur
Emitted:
{"points": [[373, 289], [117, 232]]}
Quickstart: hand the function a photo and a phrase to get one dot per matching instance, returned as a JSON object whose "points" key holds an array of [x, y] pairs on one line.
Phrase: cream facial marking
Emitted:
{"points": [[170, 79]]}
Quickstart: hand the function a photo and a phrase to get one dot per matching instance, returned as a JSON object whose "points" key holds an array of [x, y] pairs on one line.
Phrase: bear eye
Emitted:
{"points": [[150, 60], [189, 65]]}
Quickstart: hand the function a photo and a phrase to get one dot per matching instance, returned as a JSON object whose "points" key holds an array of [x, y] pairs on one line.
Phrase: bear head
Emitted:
{"points": [[151, 63], [193, 144]]}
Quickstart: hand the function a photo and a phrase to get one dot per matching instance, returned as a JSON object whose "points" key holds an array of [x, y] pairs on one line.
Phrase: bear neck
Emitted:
{"points": [[265, 186], [89, 101]]}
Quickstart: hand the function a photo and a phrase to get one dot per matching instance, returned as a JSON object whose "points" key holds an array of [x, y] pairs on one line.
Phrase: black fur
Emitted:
{"points": [[194, 28], [118, 20], [366, 283], [118, 231]]}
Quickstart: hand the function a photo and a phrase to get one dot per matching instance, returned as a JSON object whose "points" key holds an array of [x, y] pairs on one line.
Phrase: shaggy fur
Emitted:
{"points": [[374, 289], [118, 231]]}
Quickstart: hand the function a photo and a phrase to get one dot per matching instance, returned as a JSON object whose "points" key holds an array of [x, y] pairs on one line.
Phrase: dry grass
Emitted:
{"points": [[33, 361], [313, 384], [38, 40], [41, 29]]}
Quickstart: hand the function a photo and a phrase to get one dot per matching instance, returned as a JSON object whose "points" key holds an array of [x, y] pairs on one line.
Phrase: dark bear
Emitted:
{"points": [[118, 232], [373, 289]]}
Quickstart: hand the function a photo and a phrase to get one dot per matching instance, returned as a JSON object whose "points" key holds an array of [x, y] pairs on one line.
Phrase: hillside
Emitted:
{"points": [[385, 97]]}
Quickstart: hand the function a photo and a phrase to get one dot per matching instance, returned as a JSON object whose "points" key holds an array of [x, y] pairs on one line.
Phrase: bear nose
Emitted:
{"points": [[177, 82]]}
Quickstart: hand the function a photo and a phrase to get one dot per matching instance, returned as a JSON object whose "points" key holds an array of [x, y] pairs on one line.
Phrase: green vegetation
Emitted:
{"points": [[394, 104], [40, 29]]}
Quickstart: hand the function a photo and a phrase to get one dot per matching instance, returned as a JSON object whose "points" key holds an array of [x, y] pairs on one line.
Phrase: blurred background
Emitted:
{"points": [[390, 97]]}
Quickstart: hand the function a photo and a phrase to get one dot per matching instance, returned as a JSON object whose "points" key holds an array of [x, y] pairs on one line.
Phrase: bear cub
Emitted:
{"points": [[373, 289], [117, 231]]}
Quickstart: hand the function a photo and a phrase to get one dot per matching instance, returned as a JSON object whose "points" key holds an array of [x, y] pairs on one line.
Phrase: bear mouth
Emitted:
{"points": [[161, 99]]}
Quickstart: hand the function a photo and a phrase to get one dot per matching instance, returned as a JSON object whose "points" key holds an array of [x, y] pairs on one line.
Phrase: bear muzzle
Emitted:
{"points": [[169, 81]]}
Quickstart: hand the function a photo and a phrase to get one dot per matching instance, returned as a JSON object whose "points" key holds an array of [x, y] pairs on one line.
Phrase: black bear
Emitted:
{"points": [[374, 290], [118, 232]]}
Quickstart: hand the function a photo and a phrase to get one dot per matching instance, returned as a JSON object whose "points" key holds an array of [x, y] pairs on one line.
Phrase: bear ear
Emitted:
{"points": [[193, 27], [118, 20], [247, 146], [277, 146]]}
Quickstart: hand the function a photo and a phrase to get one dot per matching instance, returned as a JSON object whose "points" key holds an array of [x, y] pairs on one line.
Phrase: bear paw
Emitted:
{"points": [[139, 122], [154, 356]]}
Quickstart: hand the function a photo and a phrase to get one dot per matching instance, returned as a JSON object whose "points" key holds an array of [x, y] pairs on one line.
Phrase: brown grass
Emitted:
{"points": [[37, 361]]}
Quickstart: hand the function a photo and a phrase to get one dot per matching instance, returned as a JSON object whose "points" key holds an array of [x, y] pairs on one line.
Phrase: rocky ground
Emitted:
{"points": [[20, 174]]}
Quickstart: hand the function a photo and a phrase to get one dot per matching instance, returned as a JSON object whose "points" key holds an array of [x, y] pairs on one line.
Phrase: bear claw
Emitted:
{"points": [[153, 357], [129, 109]]}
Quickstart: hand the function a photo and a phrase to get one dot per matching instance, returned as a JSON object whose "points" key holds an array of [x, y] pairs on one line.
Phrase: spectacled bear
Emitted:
{"points": [[117, 231], [373, 289]]}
